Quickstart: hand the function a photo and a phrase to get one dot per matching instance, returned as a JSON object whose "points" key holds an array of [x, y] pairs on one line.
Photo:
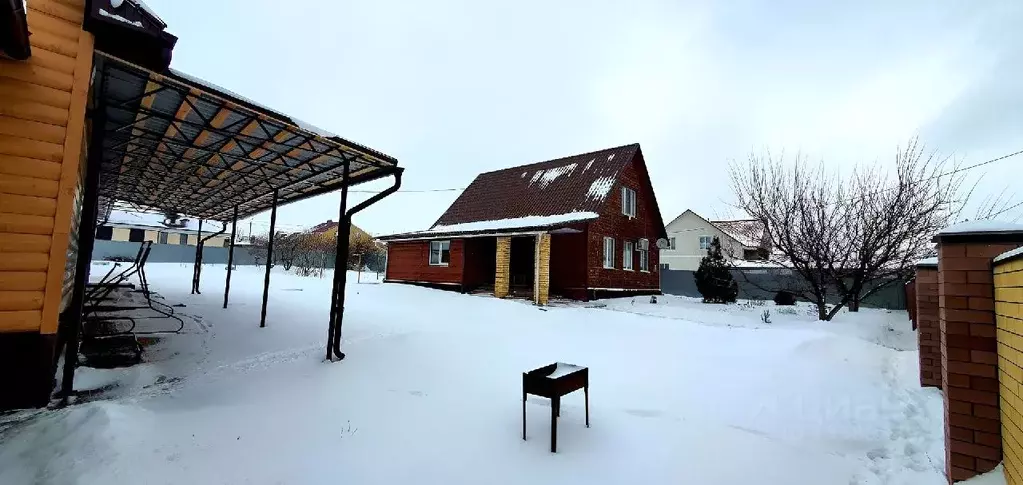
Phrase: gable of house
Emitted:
{"points": [[687, 228], [579, 184]]}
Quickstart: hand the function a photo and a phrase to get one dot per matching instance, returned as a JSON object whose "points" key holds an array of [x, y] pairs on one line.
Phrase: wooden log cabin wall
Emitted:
{"points": [[42, 142]]}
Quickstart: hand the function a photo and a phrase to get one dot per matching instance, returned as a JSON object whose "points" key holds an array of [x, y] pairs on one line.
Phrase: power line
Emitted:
{"points": [[945, 174], [1007, 209], [405, 191]]}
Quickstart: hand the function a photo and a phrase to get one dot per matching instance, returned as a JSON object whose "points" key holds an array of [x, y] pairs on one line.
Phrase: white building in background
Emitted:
{"points": [[131, 226], [689, 236]]}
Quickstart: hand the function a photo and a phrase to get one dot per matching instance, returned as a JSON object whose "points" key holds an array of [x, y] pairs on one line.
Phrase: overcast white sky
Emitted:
{"points": [[452, 88]]}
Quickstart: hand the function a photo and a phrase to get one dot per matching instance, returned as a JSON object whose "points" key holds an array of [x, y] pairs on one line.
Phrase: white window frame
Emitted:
{"points": [[440, 252], [627, 255], [644, 256], [671, 244], [609, 253], [710, 240], [629, 202]]}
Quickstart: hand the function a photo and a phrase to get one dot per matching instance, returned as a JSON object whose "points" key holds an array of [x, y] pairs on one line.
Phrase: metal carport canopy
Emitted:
{"points": [[176, 143]]}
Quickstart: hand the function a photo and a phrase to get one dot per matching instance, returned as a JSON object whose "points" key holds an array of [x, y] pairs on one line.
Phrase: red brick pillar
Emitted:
{"points": [[969, 360], [928, 324]]}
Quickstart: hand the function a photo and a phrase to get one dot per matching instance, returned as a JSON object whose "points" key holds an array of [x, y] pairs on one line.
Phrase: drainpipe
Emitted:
{"points": [[14, 30], [337, 309]]}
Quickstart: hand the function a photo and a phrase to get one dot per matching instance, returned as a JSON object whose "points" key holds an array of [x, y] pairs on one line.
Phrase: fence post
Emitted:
{"points": [[969, 348]]}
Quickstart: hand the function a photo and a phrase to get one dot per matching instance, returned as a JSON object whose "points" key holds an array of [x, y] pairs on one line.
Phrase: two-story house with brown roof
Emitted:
{"points": [[578, 227]]}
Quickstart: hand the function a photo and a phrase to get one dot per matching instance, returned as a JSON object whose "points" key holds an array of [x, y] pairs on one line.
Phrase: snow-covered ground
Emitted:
{"points": [[681, 392]]}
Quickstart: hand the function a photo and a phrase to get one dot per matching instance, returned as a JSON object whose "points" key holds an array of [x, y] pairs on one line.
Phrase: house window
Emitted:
{"points": [[104, 233], [440, 253], [671, 243], [183, 239], [644, 255], [705, 242], [627, 256], [136, 235], [163, 238], [628, 202], [609, 253], [665, 266]]}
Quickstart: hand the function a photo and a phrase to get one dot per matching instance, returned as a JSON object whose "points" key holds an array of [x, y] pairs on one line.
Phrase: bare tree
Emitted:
{"points": [[849, 238]]}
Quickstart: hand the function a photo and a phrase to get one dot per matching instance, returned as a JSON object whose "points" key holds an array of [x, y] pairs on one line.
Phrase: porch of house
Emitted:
{"points": [[531, 266]]}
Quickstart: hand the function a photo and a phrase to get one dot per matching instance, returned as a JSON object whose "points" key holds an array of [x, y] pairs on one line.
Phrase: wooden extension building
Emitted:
{"points": [[578, 227], [91, 114]]}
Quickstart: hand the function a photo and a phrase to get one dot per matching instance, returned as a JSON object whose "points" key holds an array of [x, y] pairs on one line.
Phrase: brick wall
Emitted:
{"points": [[1008, 281], [969, 362], [502, 278], [543, 268], [612, 223], [928, 325]]}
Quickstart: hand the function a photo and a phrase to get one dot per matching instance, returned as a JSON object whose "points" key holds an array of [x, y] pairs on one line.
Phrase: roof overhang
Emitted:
{"points": [[574, 228], [14, 42], [172, 142]]}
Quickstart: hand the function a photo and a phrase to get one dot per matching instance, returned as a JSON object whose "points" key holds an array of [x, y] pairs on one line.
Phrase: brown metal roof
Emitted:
{"points": [[579, 183]]}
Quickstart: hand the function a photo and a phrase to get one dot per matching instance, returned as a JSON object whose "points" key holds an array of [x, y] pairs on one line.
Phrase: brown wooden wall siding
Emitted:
{"points": [[409, 261], [612, 223], [568, 264], [480, 262], [42, 117]]}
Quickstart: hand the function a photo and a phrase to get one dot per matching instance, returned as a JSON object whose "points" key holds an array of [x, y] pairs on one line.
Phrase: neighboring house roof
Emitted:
{"points": [[536, 196], [331, 227], [750, 233], [323, 227], [123, 218]]}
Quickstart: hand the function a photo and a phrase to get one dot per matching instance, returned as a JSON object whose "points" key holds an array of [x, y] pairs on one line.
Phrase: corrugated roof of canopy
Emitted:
{"points": [[173, 142]]}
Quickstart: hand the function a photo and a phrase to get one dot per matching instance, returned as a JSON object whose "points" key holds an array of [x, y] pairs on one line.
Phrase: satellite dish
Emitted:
{"points": [[662, 243], [116, 3]]}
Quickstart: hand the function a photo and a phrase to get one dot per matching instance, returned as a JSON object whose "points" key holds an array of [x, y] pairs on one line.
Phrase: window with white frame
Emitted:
{"points": [[705, 242], [609, 252], [627, 255], [644, 254], [628, 202], [671, 243], [440, 253]]}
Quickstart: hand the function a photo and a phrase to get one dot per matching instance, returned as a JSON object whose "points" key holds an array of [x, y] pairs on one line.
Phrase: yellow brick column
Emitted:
{"points": [[543, 269], [502, 277]]}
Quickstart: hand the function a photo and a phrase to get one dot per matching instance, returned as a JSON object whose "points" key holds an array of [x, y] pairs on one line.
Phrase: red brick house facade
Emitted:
{"points": [[578, 227]]}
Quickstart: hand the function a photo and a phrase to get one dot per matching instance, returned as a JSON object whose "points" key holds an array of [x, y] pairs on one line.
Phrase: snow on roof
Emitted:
{"points": [[972, 227], [148, 10], [119, 18], [1009, 255], [600, 188], [514, 223], [545, 177], [588, 164], [299, 123], [749, 232], [153, 220], [928, 262], [743, 263]]}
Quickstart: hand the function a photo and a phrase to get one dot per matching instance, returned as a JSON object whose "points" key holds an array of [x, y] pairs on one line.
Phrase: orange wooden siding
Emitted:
{"points": [[42, 125]]}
